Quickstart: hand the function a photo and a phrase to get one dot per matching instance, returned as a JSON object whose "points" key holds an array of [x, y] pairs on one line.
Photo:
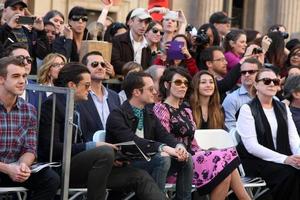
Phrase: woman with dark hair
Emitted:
{"points": [[270, 144], [188, 62], [57, 18], [293, 59], [275, 54], [214, 170], [235, 44], [153, 35], [116, 28]]}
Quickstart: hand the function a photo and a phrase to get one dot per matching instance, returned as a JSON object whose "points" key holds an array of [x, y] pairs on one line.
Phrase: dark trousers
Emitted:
{"points": [[283, 180], [42, 185], [94, 169]]}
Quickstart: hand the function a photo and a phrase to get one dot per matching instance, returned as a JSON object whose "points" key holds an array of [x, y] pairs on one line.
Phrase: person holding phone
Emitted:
{"points": [[15, 31], [177, 54], [73, 34]]}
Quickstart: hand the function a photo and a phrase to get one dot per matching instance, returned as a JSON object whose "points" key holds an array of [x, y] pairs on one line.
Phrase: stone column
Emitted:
{"points": [[198, 12], [288, 14]]}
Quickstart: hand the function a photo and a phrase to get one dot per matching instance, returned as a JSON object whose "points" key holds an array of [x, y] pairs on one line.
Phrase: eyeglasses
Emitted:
{"points": [[250, 72], [79, 17], [220, 59], [151, 89], [86, 85], [55, 65], [267, 81], [155, 31], [179, 82], [96, 64], [23, 58]]}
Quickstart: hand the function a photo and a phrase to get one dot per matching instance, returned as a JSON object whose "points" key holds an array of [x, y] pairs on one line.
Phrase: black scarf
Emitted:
{"points": [[263, 129]]}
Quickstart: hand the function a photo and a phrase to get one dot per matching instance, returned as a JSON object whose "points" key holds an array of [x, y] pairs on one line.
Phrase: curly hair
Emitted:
{"points": [[43, 73]]}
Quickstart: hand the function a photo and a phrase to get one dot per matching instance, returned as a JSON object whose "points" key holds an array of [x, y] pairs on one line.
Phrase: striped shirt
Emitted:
{"points": [[18, 131]]}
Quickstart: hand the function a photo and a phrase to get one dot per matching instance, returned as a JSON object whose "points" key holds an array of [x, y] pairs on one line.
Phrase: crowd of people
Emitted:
{"points": [[175, 79]]}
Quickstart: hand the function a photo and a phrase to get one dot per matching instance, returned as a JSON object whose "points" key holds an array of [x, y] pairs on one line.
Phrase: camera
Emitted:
{"points": [[257, 51], [202, 38]]}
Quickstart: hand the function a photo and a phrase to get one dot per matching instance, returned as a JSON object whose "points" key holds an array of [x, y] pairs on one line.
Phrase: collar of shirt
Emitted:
{"points": [[243, 91], [17, 104], [144, 42], [105, 93]]}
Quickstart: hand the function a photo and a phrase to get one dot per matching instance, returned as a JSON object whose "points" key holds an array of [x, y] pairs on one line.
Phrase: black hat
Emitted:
{"points": [[219, 18], [9, 3]]}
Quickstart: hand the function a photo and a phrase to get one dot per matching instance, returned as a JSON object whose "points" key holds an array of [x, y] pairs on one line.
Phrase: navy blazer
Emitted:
{"points": [[32, 96], [90, 121]]}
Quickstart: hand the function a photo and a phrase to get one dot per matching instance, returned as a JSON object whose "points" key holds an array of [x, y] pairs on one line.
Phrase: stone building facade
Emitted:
{"points": [[254, 14]]}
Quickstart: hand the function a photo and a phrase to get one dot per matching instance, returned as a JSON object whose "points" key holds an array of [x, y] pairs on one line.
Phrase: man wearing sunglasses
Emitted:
{"points": [[101, 100], [242, 95], [69, 44], [13, 31], [132, 45]]}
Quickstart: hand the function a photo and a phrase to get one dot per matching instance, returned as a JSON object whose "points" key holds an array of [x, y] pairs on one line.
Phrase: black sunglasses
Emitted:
{"points": [[23, 58], [250, 72], [267, 81], [78, 17], [96, 64], [154, 30]]}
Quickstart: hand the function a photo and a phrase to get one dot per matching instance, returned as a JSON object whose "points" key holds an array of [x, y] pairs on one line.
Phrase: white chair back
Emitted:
{"points": [[214, 138], [99, 136]]}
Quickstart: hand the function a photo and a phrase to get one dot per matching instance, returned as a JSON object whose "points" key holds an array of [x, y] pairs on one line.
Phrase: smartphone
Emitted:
{"points": [[174, 51], [26, 20], [257, 51]]}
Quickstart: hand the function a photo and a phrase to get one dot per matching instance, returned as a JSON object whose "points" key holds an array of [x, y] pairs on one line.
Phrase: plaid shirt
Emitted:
{"points": [[18, 131]]}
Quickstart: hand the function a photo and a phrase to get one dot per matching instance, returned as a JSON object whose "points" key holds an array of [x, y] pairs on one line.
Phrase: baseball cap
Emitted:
{"points": [[141, 13], [173, 15], [9, 3], [219, 18]]}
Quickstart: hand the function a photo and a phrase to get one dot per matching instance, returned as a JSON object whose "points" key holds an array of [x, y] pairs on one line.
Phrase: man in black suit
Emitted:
{"points": [[101, 100], [135, 121], [91, 162]]}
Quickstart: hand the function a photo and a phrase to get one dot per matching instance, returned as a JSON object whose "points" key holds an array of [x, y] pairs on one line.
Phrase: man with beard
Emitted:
{"points": [[101, 100], [132, 45]]}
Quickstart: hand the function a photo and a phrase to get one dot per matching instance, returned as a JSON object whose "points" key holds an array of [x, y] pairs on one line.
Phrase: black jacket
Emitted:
{"points": [[121, 126], [45, 130], [89, 118], [122, 52], [67, 47], [38, 45]]}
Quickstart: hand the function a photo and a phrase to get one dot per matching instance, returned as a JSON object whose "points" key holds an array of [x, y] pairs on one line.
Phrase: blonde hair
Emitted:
{"points": [[43, 73], [215, 114]]}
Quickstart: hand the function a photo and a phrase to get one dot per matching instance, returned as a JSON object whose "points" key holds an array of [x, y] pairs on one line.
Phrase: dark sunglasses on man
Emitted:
{"points": [[96, 64], [23, 58]]}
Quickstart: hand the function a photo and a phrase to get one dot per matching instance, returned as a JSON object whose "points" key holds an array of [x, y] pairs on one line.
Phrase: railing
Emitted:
{"points": [[67, 129]]}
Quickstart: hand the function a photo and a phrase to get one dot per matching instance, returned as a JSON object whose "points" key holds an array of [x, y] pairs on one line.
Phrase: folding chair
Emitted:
{"points": [[221, 139], [20, 191]]}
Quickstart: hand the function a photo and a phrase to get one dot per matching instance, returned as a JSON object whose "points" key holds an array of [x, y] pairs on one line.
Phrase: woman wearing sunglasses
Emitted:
{"points": [[270, 144], [214, 170], [70, 43], [153, 35]]}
